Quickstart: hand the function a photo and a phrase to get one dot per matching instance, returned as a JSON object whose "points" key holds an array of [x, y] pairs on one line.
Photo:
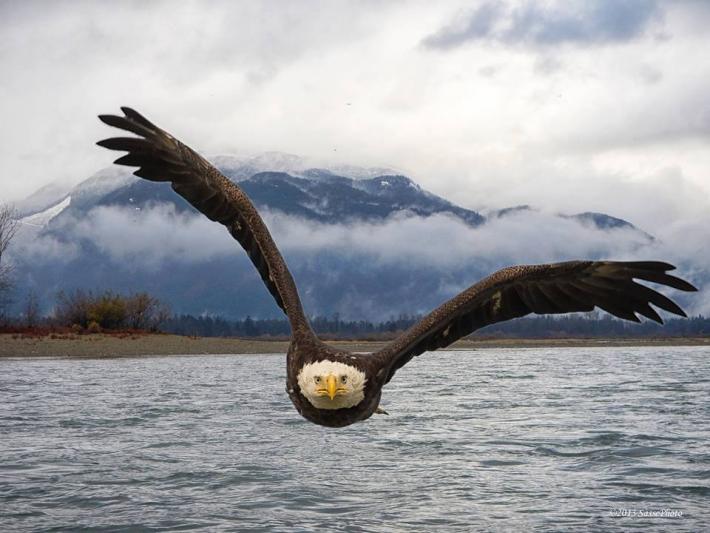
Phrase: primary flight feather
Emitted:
{"points": [[335, 388]]}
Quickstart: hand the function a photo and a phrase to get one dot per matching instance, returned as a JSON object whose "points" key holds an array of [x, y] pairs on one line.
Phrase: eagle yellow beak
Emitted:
{"points": [[331, 385]]}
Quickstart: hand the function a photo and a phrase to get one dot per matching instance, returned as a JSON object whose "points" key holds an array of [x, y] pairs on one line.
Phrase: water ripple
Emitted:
{"points": [[531, 439]]}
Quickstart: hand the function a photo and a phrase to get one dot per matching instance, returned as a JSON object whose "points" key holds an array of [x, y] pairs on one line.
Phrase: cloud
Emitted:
{"points": [[32, 246], [153, 237], [445, 242], [576, 22], [477, 25], [88, 58], [538, 117], [150, 238]]}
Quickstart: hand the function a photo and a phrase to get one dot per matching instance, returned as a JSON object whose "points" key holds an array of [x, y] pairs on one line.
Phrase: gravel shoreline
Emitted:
{"points": [[100, 345]]}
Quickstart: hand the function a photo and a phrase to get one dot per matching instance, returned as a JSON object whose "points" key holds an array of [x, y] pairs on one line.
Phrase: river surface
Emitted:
{"points": [[497, 439]]}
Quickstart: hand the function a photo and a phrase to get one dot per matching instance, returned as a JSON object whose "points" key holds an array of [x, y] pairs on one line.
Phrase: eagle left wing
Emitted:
{"points": [[542, 289]]}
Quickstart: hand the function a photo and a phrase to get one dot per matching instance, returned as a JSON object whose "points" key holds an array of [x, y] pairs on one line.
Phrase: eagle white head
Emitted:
{"points": [[332, 385]]}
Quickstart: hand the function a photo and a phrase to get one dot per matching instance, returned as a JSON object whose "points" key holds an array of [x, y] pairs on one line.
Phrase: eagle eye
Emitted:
{"points": [[344, 379], [316, 379]]}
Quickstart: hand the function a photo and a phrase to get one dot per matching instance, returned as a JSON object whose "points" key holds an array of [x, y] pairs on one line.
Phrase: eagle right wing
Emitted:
{"points": [[161, 157]]}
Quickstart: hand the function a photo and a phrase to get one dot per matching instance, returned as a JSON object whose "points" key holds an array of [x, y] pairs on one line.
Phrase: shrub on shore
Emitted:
{"points": [[109, 311]]}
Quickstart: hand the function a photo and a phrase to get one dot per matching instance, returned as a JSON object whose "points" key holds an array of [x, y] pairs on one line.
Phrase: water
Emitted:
{"points": [[534, 439]]}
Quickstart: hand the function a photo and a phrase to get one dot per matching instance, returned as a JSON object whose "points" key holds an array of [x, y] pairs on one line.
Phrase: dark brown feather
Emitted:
{"points": [[125, 124], [664, 279]]}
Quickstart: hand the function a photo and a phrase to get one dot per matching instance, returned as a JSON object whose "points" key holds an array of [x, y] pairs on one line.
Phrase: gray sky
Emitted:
{"points": [[570, 105]]}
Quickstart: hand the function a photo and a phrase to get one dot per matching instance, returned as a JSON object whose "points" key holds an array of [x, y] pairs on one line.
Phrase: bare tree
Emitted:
{"points": [[145, 311], [73, 308], [9, 225], [32, 310]]}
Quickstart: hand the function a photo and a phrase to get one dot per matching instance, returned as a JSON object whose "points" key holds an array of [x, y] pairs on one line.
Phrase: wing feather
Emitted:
{"points": [[556, 294]]}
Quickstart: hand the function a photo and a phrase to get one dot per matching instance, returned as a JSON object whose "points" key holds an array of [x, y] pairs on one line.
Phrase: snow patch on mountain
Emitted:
{"points": [[240, 168], [41, 219], [361, 173], [102, 183]]}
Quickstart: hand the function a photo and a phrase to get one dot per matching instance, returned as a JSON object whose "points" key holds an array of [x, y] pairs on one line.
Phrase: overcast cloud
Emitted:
{"points": [[567, 105], [548, 24]]}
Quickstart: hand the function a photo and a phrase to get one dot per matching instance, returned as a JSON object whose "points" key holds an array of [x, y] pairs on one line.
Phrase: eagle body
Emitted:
{"points": [[335, 388], [300, 355]]}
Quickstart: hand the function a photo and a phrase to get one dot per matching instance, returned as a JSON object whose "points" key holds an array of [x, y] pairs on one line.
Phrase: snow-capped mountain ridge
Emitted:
{"points": [[359, 246], [239, 168], [294, 188]]}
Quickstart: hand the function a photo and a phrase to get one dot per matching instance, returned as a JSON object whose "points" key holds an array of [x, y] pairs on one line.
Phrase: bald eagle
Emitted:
{"points": [[335, 388]]}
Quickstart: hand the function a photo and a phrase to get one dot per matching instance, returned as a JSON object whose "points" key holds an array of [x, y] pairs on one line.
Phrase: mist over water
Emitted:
{"points": [[529, 439]]}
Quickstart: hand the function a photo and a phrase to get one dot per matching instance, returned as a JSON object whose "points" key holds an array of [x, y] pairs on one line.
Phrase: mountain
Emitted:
{"points": [[588, 218], [42, 199], [315, 194], [364, 243]]}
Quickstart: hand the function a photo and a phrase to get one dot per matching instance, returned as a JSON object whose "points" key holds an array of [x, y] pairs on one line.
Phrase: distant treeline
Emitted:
{"points": [[529, 327], [596, 326], [94, 311], [211, 326]]}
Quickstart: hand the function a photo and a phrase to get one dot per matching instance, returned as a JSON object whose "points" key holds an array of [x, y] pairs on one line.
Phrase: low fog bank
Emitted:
{"points": [[406, 264]]}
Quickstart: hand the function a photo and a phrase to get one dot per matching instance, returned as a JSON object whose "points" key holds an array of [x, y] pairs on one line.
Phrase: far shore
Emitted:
{"points": [[136, 344]]}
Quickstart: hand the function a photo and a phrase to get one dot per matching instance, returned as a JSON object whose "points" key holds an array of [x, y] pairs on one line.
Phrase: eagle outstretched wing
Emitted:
{"points": [[543, 289], [161, 157]]}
